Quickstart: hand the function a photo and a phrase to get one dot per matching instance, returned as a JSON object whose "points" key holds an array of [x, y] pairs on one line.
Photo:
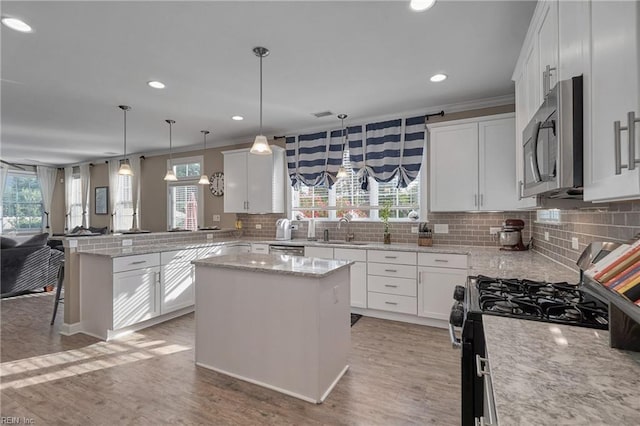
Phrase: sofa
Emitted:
{"points": [[32, 265]]}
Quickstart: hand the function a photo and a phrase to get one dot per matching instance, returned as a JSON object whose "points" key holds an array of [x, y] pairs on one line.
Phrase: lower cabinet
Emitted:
{"points": [[177, 284], [436, 285], [136, 296], [392, 281]]}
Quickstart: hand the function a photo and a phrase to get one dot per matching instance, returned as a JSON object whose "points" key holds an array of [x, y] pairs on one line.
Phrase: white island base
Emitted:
{"points": [[285, 330]]}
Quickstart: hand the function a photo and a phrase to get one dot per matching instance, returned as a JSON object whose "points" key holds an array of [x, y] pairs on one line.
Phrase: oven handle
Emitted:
{"points": [[455, 342]]}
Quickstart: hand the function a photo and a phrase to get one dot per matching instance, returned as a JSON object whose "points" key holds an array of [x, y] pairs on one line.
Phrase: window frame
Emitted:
{"points": [[186, 181], [22, 231], [121, 205]]}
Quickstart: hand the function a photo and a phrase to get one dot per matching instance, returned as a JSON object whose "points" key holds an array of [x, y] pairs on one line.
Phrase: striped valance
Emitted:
{"points": [[383, 151]]}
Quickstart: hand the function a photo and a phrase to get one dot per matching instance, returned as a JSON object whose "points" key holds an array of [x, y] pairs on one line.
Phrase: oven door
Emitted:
{"points": [[540, 152]]}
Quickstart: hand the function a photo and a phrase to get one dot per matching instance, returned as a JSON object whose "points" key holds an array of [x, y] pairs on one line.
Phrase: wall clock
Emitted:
{"points": [[216, 184]]}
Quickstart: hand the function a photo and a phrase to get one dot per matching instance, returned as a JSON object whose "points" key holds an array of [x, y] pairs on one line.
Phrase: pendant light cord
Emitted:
{"points": [[170, 147], [260, 94], [124, 157]]}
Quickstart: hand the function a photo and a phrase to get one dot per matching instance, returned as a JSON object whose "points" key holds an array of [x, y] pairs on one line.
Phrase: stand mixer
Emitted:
{"points": [[511, 235]]}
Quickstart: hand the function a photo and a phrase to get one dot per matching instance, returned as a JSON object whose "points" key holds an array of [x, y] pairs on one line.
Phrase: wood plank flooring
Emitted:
{"points": [[400, 374]]}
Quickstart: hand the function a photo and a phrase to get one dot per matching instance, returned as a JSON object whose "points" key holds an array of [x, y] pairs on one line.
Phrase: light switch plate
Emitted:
{"points": [[441, 228], [493, 230], [216, 218], [546, 236], [127, 243], [258, 226], [209, 236], [574, 243], [414, 229]]}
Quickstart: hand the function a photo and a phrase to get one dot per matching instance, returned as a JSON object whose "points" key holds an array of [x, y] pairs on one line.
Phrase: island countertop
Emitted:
{"points": [[549, 374], [276, 263]]}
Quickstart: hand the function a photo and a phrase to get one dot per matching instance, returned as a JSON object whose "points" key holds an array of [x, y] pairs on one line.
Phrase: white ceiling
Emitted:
{"points": [[61, 84]]}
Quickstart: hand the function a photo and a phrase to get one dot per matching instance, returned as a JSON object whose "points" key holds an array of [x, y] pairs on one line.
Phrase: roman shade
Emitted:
{"points": [[314, 159]]}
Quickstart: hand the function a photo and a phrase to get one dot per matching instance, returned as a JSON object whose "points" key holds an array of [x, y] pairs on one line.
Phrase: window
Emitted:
{"points": [[185, 206], [22, 208], [346, 196], [75, 218], [124, 204]]}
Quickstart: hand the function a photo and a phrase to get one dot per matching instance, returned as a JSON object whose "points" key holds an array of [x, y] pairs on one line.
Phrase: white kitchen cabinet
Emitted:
{"points": [[358, 274], [259, 248], [438, 275], [254, 183], [321, 252], [393, 283], [136, 296], [472, 165], [547, 44], [573, 39], [177, 284], [614, 85]]}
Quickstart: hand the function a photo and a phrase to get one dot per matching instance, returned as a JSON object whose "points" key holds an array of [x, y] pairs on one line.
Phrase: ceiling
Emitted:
{"points": [[61, 84]]}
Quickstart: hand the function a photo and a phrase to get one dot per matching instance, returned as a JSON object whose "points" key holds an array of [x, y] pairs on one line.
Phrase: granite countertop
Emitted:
{"points": [[158, 248], [310, 267], [550, 374]]}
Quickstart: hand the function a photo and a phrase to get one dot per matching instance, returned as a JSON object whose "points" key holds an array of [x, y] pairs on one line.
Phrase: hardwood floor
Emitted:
{"points": [[400, 374]]}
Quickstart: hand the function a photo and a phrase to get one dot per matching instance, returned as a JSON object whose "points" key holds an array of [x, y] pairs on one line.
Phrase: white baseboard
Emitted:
{"points": [[335, 382], [70, 329], [394, 316]]}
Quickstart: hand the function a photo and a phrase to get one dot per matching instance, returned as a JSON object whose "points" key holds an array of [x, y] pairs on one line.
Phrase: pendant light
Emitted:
{"points": [[260, 144], [342, 172], [204, 179], [125, 168], [170, 176]]}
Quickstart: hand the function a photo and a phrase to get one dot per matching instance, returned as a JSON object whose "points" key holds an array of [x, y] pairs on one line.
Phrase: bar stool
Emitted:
{"points": [[58, 291]]}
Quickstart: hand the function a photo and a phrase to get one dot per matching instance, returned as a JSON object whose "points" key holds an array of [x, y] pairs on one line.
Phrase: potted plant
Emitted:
{"points": [[385, 213]]}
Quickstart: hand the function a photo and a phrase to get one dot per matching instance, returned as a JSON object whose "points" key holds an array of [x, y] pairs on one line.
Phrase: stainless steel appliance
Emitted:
{"points": [[511, 235], [553, 144], [290, 250], [283, 229], [559, 303]]}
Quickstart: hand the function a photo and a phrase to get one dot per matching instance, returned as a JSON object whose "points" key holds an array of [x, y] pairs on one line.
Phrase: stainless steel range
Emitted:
{"points": [[559, 303]]}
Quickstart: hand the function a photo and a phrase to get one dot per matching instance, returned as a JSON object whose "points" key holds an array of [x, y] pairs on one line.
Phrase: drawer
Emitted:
{"points": [[443, 260], [391, 270], [393, 303], [321, 252], [178, 256], [138, 261], [387, 256], [210, 251], [399, 286], [350, 254], [260, 248]]}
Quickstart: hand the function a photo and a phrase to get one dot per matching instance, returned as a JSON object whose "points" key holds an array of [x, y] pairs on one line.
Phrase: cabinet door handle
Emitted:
{"points": [[178, 257], [391, 270], [442, 260], [391, 285], [544, 82], [139, 262], [390, 303], [617, 146], [391, 257], [520, 186], [631, 130]]}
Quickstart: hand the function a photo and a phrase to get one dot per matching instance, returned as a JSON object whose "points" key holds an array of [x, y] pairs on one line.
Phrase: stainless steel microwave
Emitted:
{"points": [[553, 144]]}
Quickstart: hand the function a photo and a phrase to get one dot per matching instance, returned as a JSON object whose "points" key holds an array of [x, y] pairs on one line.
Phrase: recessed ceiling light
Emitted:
{"points": [[421, 5], [438, 78], [156, 84], [17, 24], [237, 118]]}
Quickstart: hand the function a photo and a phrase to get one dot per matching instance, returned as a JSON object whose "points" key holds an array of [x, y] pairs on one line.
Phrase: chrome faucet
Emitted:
{"points": [[346, 219]]}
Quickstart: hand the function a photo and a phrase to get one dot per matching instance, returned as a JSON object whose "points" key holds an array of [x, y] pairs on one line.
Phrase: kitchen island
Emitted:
{"points": [[278, 321]]}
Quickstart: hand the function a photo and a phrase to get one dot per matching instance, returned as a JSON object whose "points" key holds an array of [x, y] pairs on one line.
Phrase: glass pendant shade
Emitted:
{"points": [[342, 173], [125, 169], [204, 180], [261, 146], [170, 176]]}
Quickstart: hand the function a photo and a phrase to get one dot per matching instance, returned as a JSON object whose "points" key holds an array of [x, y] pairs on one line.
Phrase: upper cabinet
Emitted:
{"points": [[471, 164], [612, 146], [547, 46], [254, 183]]}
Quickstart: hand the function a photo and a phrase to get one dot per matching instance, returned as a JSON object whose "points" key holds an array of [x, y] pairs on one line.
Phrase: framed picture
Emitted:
{"points": [[102, 200]]}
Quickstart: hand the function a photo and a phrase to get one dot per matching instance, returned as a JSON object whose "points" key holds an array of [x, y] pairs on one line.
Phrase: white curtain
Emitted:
{"points": [[85, 180], [135, 190], [3, 178], [114, 165], [68, 201], [47, 178]]}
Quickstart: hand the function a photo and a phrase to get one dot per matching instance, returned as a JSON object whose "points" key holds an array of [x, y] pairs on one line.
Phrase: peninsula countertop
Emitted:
{"points": [[274, 263], [549, 374]]}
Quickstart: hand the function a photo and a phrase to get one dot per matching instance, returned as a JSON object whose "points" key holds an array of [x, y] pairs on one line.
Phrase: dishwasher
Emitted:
{"points": [[283, 249]]}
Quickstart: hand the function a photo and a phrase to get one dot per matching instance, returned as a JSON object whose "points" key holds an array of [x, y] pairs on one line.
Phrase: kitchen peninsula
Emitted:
{"points": [[278, 321]]}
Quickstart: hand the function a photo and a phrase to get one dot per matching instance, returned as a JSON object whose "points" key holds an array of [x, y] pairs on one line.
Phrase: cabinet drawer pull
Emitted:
{"points": [[391, 257], [391, 303], [631, 126], [178, 257], [391, 270], [139, 262], [391, 285], [442, 260]]}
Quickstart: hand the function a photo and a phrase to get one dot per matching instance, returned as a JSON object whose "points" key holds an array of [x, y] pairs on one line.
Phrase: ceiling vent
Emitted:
{"points": [[322, 114]]}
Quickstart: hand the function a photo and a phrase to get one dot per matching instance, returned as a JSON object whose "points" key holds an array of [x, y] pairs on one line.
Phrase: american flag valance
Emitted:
{"points": [[385, 150]]}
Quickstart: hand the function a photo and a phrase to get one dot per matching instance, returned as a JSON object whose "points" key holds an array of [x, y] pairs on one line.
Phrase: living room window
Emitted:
{"points": [[124, 204], [184, 197], [346, 196], [22, 208], [75, 217]]}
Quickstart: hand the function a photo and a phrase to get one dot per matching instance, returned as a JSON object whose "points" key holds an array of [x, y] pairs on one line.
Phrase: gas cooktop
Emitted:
{"points": [[560, 303]]}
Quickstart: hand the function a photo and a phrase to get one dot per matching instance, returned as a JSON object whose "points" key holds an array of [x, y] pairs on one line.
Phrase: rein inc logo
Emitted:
{"points": [[12, 420]]}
